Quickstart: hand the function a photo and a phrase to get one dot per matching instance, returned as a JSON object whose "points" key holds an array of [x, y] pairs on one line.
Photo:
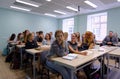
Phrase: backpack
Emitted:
{"points": [[9, 57], [15, 63]]}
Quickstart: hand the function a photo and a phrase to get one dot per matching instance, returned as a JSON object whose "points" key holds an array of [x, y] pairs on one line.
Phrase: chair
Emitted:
{"points": [[10, 48]]}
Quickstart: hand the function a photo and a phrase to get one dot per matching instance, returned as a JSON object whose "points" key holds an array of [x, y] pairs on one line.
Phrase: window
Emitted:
{"points": [[68, 26], [97, 23]]}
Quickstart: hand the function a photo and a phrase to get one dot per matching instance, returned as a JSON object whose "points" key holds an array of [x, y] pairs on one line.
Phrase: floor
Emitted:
{"points": [[7, 73]]}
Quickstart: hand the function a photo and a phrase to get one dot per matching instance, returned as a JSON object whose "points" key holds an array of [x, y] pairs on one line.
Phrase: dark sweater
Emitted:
{"points": [[30, 45], [74, 46]]}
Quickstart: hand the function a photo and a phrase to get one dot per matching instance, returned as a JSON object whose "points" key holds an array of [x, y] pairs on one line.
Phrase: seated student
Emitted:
{"points": [[47, 40], [52, 38], [83, 36], [41, 37], [79, 42], [12, 38], [29, 45], [72, 45], [59, 49], [26, 32], [88, 43], [20, 38], [110, 39], [65, 36], [116, 35], [78, 38], [30, 42], [37, 36], [9, 45]]}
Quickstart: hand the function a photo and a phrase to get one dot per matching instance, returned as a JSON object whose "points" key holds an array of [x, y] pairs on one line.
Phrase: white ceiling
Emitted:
{"points": [[49, 7]]}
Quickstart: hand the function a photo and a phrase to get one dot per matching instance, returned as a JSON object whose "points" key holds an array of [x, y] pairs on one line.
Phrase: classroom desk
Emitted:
{"points": [[109, 48], [21, 49], [81, 61], [118, 44], [13, 43], [34, 52], [99, 42], [114, 53], [111, 51]]}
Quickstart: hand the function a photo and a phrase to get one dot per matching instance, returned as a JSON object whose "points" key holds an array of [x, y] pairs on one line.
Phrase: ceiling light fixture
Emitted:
{"points": [[60, 12], [71, 8], [50, 14], [118, 0], [48, 0], [20, 8], [27, 3], [90, 3]]}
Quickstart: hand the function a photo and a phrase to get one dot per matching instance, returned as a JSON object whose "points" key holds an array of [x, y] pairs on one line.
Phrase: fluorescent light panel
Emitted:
{"points": [[91, 4], [71, 8], [20, 8], [48, 14], [27, 3], [118, 0], [60, 12], [48, 0]]}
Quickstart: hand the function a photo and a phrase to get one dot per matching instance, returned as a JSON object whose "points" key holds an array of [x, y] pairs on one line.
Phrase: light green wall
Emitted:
{"points": [[113, 21], [14, 22]]}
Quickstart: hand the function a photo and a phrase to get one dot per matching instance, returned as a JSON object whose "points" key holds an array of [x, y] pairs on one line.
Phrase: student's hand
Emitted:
{"points": [[109, 42], [83, 53], [66, 54]]}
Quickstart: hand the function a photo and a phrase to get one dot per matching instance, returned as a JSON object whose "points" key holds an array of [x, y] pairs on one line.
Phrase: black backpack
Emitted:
{"points": [[9, 57], [15, 63]]}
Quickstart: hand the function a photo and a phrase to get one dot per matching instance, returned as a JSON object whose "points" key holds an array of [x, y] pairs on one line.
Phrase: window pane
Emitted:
{"points": [[97, 23], [68, 26], [71, 22], [103, 19], [97, 19]]}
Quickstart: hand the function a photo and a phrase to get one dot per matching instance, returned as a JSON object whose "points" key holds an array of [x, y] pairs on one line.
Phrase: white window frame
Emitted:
{"points": [[92, 26], [68, 27]]}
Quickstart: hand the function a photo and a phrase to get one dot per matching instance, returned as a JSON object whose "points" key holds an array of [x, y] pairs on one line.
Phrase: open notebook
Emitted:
{"points": [[70, 56]]}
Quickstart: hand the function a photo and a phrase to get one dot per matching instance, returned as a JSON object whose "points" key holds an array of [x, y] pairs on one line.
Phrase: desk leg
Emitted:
{"points": [[34, 66], [103, 69], [108, 65], [116, 63], [21, 58], [119, 63], [101, 65], [72, 75]]}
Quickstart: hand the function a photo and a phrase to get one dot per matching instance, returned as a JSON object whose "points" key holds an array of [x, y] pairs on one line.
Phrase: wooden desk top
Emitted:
{"points": [[13, 43], [115, 52], [20, 46], [80, 60], [39, 49], [109, 48], [33, 51]]}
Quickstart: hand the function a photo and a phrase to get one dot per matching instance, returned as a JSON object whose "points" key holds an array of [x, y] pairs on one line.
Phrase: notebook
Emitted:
{"points": [[70, 56]]}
